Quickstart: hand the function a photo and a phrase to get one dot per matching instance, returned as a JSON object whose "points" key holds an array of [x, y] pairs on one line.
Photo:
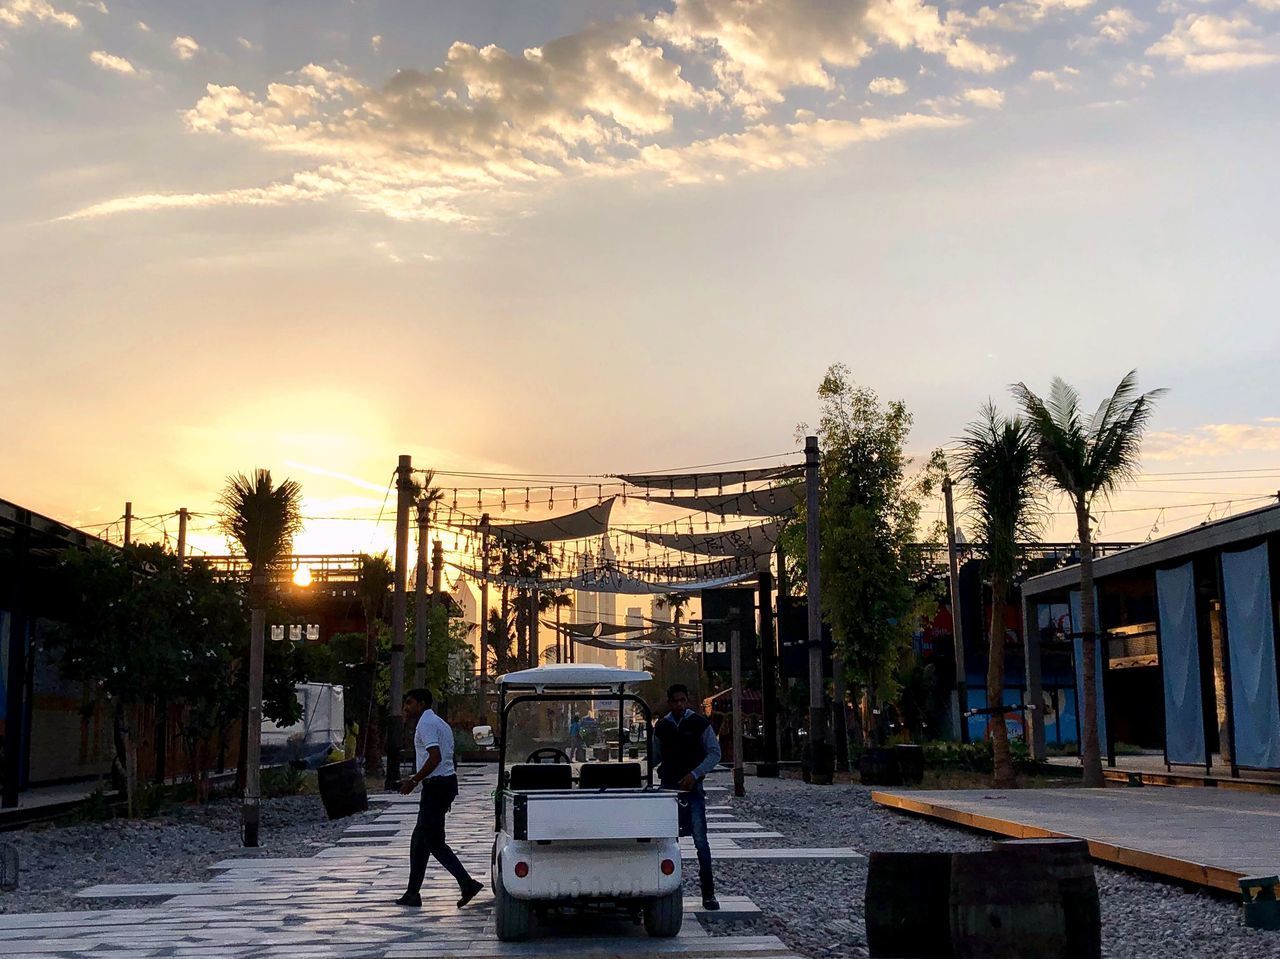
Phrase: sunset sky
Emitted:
{"points": [[597, 237]]}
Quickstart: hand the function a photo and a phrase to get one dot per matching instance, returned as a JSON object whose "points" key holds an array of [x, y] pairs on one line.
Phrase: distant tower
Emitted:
{"points": [[607, 603], [635, 620]]}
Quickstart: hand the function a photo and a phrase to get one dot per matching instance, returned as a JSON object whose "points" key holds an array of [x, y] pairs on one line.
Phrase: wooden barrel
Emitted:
{"points": [[342, 788], [908, 905], [879, 767], [1005, 907], [1067, 860]]}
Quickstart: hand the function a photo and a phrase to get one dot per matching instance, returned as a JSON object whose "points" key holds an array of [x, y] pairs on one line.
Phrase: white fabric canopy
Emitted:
{"points": [[774, 501], [603, 580], [585, 523], [748, 541], [707, 482]]}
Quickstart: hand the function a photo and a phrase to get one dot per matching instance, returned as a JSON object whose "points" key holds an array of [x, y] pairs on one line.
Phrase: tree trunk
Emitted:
{"points": [[126, 717], [1002, 758], [522, 628], [1090, 748]]}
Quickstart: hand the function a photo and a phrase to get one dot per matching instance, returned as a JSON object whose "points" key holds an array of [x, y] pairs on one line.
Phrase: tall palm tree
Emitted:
{"points": [[262, 520], [997, 462], [1085, 457], [560, 601]]}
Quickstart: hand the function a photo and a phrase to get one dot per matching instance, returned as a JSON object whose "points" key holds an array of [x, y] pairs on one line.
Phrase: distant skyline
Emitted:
{"points": [[603, 237]]}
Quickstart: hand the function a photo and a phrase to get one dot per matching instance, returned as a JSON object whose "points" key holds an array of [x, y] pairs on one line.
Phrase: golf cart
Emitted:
{"points": [[576, 836]]}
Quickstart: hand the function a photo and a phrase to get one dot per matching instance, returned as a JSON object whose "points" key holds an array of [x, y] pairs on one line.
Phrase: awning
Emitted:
{"points": [[710, 481], [748, 541], [585, 523], [773, 501]]}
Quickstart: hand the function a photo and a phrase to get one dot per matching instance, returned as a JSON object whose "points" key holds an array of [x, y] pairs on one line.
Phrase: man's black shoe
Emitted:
{"points": [[409, 899], [470, 892], [710, 903]]}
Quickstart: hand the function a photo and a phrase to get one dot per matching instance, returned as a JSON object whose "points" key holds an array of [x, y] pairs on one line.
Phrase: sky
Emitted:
{"points": [[600, 237]]}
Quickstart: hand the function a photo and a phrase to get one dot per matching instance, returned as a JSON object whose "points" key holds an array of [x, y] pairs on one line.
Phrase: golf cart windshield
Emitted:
{"points": [[576, 727]]}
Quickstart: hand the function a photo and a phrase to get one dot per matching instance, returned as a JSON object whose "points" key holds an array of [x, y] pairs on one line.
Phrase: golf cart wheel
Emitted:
{"points": [[663, 916], [513, 917]]}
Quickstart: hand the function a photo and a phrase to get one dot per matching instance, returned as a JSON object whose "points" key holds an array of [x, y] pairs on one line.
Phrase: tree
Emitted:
{"points": [[558, 601], [1084, 458], [374, 590], [997, 461], [869, 509], [262, 520]]}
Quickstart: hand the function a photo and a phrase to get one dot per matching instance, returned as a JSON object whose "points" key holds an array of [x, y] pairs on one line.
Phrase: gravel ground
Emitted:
{"points": [[177, 846], [816, 908]]}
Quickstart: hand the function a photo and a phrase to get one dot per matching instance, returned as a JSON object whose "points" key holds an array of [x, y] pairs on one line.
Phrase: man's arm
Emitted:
{"points": [[712, 745], [433, 760]]}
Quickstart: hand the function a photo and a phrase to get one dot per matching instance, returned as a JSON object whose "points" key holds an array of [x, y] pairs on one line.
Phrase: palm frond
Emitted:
{"points": [[260, 518]]}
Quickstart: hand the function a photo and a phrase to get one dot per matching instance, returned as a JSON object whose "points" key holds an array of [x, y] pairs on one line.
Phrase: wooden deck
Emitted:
{"points": [[1207, 837]]}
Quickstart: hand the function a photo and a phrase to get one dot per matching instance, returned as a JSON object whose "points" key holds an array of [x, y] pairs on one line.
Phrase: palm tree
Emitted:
{"points": [[559, 601], [374, 590], [1084, 458], [997, 461], [262, 520]]}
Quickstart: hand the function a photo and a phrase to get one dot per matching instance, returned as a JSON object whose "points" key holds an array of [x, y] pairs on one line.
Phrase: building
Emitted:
{"points": [[1187, 657], [635, 619]]}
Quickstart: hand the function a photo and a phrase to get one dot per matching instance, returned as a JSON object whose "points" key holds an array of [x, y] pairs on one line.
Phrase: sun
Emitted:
{"points": [[302, 576]]}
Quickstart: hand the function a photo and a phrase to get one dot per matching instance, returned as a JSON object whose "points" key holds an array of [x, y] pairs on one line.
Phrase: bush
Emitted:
{"points": [[976, 757], [283, 781], [463, 741]]}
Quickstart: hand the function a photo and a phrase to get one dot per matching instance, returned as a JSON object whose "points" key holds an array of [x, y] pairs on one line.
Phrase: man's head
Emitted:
{"points": [[416, 702], [678, 698]]}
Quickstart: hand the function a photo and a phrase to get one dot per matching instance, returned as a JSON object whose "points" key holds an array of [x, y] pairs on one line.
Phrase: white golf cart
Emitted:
{"points": [[575, 835]]}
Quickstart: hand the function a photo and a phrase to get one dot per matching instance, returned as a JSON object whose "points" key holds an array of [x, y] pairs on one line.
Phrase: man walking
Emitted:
{"points": [[687, 748], [433, 742]]}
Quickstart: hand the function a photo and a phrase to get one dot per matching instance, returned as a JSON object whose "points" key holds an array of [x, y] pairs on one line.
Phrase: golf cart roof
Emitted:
{"points": [[573, 676]]}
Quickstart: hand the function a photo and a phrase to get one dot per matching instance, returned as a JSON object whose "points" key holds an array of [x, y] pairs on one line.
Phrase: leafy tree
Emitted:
{"points": [[262, 519], [997, 461], [1085, 458], [374, 591], [869, 509]]}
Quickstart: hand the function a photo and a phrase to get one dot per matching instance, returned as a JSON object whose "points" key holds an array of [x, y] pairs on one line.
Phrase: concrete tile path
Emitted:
{"points": [[339, 903]]}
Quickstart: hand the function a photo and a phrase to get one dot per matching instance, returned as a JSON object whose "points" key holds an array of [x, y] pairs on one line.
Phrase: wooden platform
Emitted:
{"points": [[1206, 837]]}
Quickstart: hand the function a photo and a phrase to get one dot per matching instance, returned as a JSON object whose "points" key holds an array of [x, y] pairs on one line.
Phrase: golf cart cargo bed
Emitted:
{"points": [[572, 814]]}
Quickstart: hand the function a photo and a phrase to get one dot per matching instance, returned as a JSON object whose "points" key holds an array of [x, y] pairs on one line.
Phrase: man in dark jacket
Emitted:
{"points": [[687, 749]]}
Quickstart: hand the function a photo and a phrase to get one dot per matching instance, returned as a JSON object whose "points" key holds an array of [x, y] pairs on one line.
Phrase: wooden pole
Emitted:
{"points": [[399, 610], [182, 536], [128, 523], [484, 600], [768, 674], [957, 631], [250, 810], [735, 673]]}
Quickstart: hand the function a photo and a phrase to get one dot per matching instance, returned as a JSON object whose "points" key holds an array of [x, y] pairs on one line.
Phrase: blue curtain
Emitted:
{"points": [[1180, 665], [1255, 701], [1077, 625]]}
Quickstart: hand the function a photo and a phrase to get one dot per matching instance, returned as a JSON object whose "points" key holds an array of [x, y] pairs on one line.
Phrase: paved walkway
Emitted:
{"points": [[339, 903], [1206, 836]]}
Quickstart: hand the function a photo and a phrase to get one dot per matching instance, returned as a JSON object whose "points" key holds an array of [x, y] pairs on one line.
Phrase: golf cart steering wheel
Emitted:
{"points": [[556, 755]]}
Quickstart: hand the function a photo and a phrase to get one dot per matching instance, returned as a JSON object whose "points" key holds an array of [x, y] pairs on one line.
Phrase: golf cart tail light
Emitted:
{"points": [[522, 869], [668, 867]]}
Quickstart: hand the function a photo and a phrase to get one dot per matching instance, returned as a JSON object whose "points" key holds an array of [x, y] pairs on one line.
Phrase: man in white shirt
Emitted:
{"points": [[433, 742]]}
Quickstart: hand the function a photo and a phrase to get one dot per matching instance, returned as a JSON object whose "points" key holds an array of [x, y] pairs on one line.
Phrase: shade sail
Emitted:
{"points": [[709, 481], [748, 541], [585, 523], [601, 580], [774, 501], [590, 629], [719, 567], [655, 640]]}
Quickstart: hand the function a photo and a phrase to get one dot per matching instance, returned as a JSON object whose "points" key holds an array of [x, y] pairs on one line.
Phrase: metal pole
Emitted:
{"points": [[957, 632], [399, 609], [182, 536], [421, 615], [735, 672], [817, 706], [128, 523]]}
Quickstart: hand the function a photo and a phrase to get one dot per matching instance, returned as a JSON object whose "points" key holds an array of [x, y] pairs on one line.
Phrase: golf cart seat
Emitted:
{"points": [[610, 776], [529, 776]]}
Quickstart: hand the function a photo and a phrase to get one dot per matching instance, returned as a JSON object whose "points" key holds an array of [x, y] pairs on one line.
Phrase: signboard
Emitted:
{"points": [[721, 610], [793, 639]]}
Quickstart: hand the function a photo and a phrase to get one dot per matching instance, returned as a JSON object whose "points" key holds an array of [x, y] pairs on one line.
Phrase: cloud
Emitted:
{"points": [[248, 44], [142, 25], [20, 13], [1205, 43], [1059, 80], [111, 62], [375, 42], [185, 47], [486, 127], [1018, 15], [1271, 6], [1133, 75], [887, 87], [1213, 440], [988, 98]]}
